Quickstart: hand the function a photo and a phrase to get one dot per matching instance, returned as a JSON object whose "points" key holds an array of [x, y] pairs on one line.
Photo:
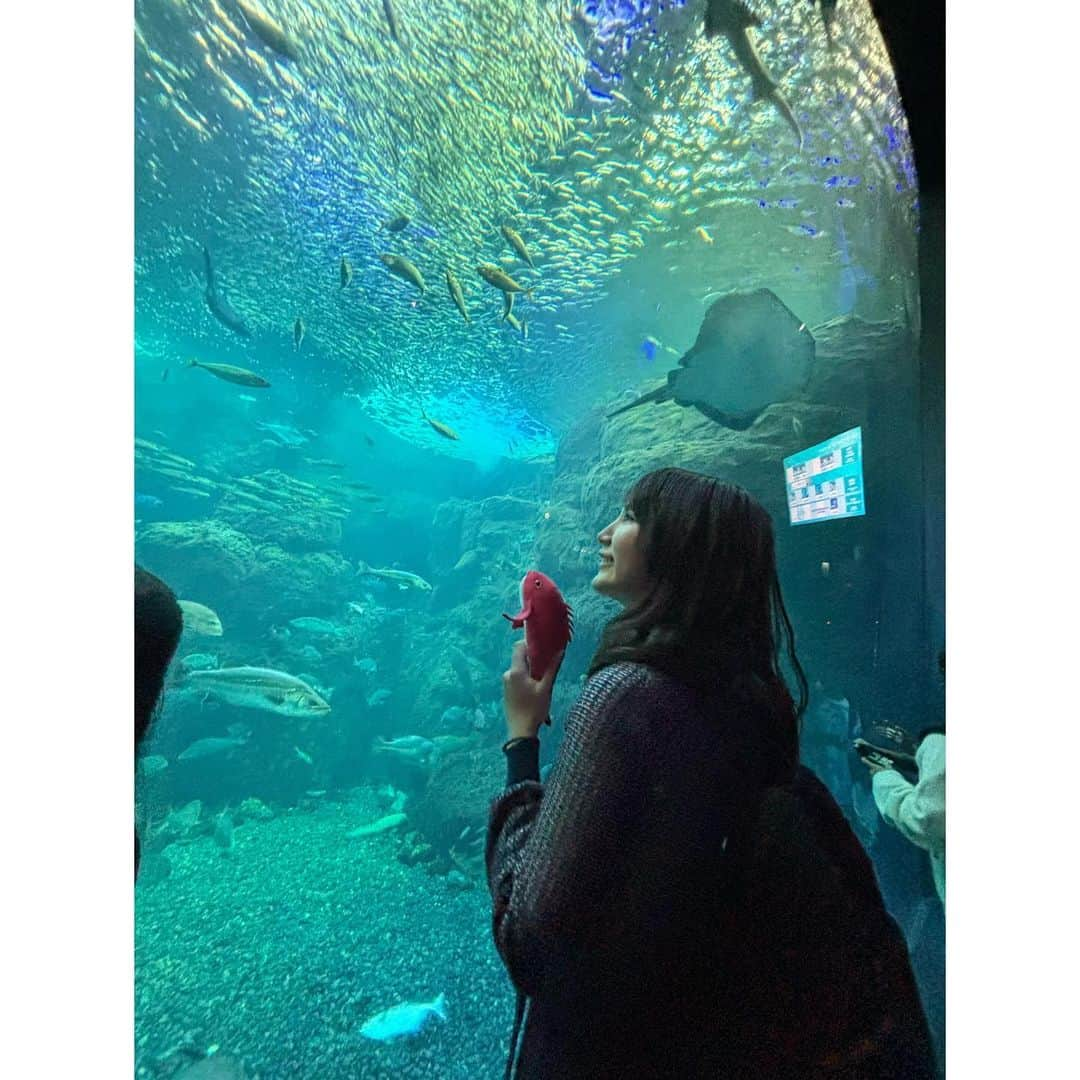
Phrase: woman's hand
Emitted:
{"points": [[527, 701]]}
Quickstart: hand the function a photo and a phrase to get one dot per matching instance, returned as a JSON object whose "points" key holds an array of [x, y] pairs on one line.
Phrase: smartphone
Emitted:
{"points": [[873, 755]]}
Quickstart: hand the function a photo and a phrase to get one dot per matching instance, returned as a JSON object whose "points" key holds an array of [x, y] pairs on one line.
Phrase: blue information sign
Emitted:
{"points": [[825, 482]]}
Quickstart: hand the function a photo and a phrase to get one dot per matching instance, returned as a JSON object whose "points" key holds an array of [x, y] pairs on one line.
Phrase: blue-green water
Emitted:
{"points": [[624, 148]]}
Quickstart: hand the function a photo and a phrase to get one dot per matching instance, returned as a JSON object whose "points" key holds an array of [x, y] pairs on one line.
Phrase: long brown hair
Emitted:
{"points": [[714, 616]]}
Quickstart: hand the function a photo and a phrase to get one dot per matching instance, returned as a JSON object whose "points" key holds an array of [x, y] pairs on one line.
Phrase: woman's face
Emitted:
{"points": [[622, 562]]}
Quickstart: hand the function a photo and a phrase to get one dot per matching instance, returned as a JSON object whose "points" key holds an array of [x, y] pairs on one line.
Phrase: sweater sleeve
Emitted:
{"points": [[552, 851], [917, 810]]}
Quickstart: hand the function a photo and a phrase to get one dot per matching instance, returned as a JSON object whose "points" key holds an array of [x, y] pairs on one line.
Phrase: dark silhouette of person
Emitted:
{"points": [[158, 625], [682, 898]]}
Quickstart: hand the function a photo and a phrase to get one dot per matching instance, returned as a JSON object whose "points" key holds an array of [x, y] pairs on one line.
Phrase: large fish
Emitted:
{"points": [[402, 578], [521, 327], [548, 620], [261, 688], [240, 376], [200, 619], [269, 32], [444, 430], [414, 747], [456, 294], [515, 241], [219, 307], [750, 352], [733, 19], [298, 334], [500, 279], [391, 21], [214, 744], [403, 1020], [312, 625], [345, 272], [403, 268]]}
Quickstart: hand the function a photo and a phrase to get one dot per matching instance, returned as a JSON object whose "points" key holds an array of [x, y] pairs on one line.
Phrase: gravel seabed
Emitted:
{"points": [[280, 951]]}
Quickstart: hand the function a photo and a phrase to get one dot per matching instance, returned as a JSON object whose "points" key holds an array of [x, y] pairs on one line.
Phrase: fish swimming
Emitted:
{"points": [[414, 746], [147, 502], [403, 1020], [268, 31], [515, 241], [384, 824], [548, 620], [403, 268], [445, 431], [396, 224], [500, 279], [378, 697], [733, 19], [750, 352], [456, 294], [200, 619], [345, 272], [198, 662], [285, 434], [305, 758], [521, 327], [219, 307], [311, 625], [261, 688], [240, 376], [215, 744], [298, 334], [391, 21]]}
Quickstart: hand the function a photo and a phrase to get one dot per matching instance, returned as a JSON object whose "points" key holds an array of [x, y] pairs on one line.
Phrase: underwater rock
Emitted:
{"points": [[458, 882], [415, 850], [458, 792], [154, 867], [252, 809], [205, 557]]}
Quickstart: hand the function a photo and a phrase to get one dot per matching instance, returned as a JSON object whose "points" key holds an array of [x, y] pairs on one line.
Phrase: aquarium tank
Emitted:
{"points": [[421, 288]]}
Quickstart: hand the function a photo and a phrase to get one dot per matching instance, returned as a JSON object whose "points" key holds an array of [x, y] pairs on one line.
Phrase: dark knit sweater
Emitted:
{"points": [[669, 911]]}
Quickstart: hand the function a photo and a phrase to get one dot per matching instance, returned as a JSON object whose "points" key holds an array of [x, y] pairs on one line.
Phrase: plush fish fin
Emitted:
{"points": [[518, 620]]}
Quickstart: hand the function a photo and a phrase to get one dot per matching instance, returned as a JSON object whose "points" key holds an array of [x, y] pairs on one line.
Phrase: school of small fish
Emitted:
{"points": [[395, 177]]}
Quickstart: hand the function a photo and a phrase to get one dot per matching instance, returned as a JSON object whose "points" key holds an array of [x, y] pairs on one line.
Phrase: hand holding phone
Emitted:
{"points": [[873, 756]]}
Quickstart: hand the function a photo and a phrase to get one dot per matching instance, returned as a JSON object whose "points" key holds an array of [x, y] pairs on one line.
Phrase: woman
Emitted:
{"points": [[158, 625], [681, 899]]}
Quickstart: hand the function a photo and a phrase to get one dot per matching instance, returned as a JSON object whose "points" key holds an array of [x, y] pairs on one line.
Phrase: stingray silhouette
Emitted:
{"points": [[750, 352]]}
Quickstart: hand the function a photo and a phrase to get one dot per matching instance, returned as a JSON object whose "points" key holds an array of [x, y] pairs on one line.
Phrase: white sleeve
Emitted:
{"points": [[917, 810]]}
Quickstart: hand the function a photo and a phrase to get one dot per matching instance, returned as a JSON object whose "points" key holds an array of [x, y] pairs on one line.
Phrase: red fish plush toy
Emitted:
{"points": [[548, 621]]}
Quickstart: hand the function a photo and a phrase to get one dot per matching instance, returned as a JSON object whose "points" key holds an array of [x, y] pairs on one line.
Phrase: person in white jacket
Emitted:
{"points": [[918, 809]]}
